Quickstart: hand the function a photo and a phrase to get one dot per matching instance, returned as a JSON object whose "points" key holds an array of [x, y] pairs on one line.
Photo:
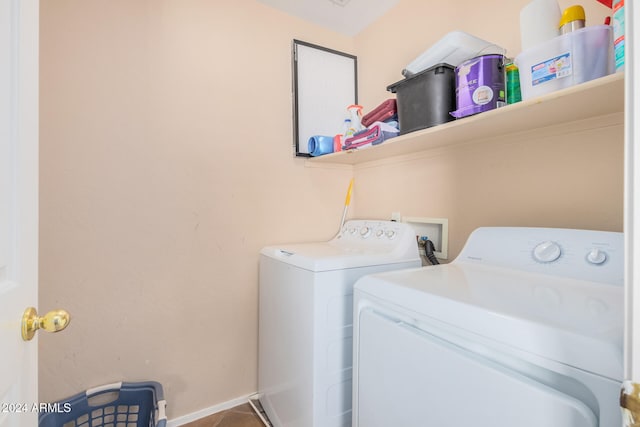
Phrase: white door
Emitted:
{"points": [[632, 199], [18, 208]]}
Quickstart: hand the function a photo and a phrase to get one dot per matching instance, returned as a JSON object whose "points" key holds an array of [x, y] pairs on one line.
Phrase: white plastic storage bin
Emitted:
{"points": [[566, 60]]}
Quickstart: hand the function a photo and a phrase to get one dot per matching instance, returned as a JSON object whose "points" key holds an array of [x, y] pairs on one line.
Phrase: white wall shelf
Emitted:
{"points": [[588, 100]]}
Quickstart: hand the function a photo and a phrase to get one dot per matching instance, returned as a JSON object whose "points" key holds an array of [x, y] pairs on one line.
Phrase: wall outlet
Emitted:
{"points": [[436, 229]]}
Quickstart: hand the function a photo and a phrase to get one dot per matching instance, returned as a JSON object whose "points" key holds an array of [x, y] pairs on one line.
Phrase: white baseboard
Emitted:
{"points": [[184, 419]]}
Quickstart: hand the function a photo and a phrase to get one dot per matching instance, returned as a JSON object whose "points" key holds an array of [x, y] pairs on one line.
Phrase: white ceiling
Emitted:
{"points": [[348, 17]]}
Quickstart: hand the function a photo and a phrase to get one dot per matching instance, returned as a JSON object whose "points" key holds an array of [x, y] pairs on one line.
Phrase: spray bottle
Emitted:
{"points": [[355, 113]]}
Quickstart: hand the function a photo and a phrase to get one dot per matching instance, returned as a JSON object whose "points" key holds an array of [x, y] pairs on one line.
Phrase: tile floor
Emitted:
{"points": [[239, 416]]}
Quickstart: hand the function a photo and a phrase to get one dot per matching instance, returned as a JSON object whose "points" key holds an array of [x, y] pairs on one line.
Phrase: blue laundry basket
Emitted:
{"points": [[123, 404]]}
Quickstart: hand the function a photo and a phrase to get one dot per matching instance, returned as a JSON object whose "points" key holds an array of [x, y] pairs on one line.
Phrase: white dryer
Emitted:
{"points": [[524, 328], [306, 316]]}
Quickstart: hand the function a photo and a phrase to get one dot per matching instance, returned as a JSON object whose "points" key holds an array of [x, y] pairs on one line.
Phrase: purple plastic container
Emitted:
{"points": [[480, 85]]}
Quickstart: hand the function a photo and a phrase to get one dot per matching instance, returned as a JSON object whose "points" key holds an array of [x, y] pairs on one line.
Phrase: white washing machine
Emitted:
{"points": [[524, 328], [306, 316]]}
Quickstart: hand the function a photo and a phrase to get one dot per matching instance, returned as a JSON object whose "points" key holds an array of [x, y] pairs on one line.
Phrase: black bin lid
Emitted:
{"points": [[436, 69]]}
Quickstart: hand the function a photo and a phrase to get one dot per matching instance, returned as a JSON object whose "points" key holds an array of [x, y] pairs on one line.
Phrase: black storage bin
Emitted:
{"points": [[426, 98]]}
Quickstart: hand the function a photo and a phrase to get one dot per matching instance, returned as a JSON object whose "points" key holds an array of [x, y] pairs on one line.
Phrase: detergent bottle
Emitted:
{"points": [[573, 19], [618, 34], [349, 130], [338, 140], [355, 113]]}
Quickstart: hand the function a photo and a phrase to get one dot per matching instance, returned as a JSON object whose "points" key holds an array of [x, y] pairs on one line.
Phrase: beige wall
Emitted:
{"points": [[166, 164], [571, 177]]}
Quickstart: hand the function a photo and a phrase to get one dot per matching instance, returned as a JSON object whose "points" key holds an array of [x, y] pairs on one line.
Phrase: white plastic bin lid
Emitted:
{"points": [[453, 49]]}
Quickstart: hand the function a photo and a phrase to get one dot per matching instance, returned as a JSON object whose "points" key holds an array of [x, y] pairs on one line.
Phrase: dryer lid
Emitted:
{"points": [[575, 322]]}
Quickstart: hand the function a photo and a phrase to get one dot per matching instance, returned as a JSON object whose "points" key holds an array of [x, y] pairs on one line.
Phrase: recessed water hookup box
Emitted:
{"points": [[436, 229]]}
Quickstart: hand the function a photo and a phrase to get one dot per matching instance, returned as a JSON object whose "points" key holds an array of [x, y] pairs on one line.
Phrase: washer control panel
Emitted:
{"points": [[378, 237], [373, 231], [580, 254]]}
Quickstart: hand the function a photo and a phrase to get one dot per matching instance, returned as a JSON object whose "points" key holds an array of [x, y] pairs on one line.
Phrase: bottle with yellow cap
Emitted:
{"points": [[572, 19]]}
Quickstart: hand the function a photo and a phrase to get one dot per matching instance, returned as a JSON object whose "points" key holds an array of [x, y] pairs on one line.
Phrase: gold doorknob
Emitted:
{"points": [[53, 321]]}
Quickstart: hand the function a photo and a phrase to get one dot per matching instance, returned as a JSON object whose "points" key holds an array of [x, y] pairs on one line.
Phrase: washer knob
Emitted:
{"points": [[596, 256], [547, 251], [380, 232], [390, 234], [365, 232]]}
